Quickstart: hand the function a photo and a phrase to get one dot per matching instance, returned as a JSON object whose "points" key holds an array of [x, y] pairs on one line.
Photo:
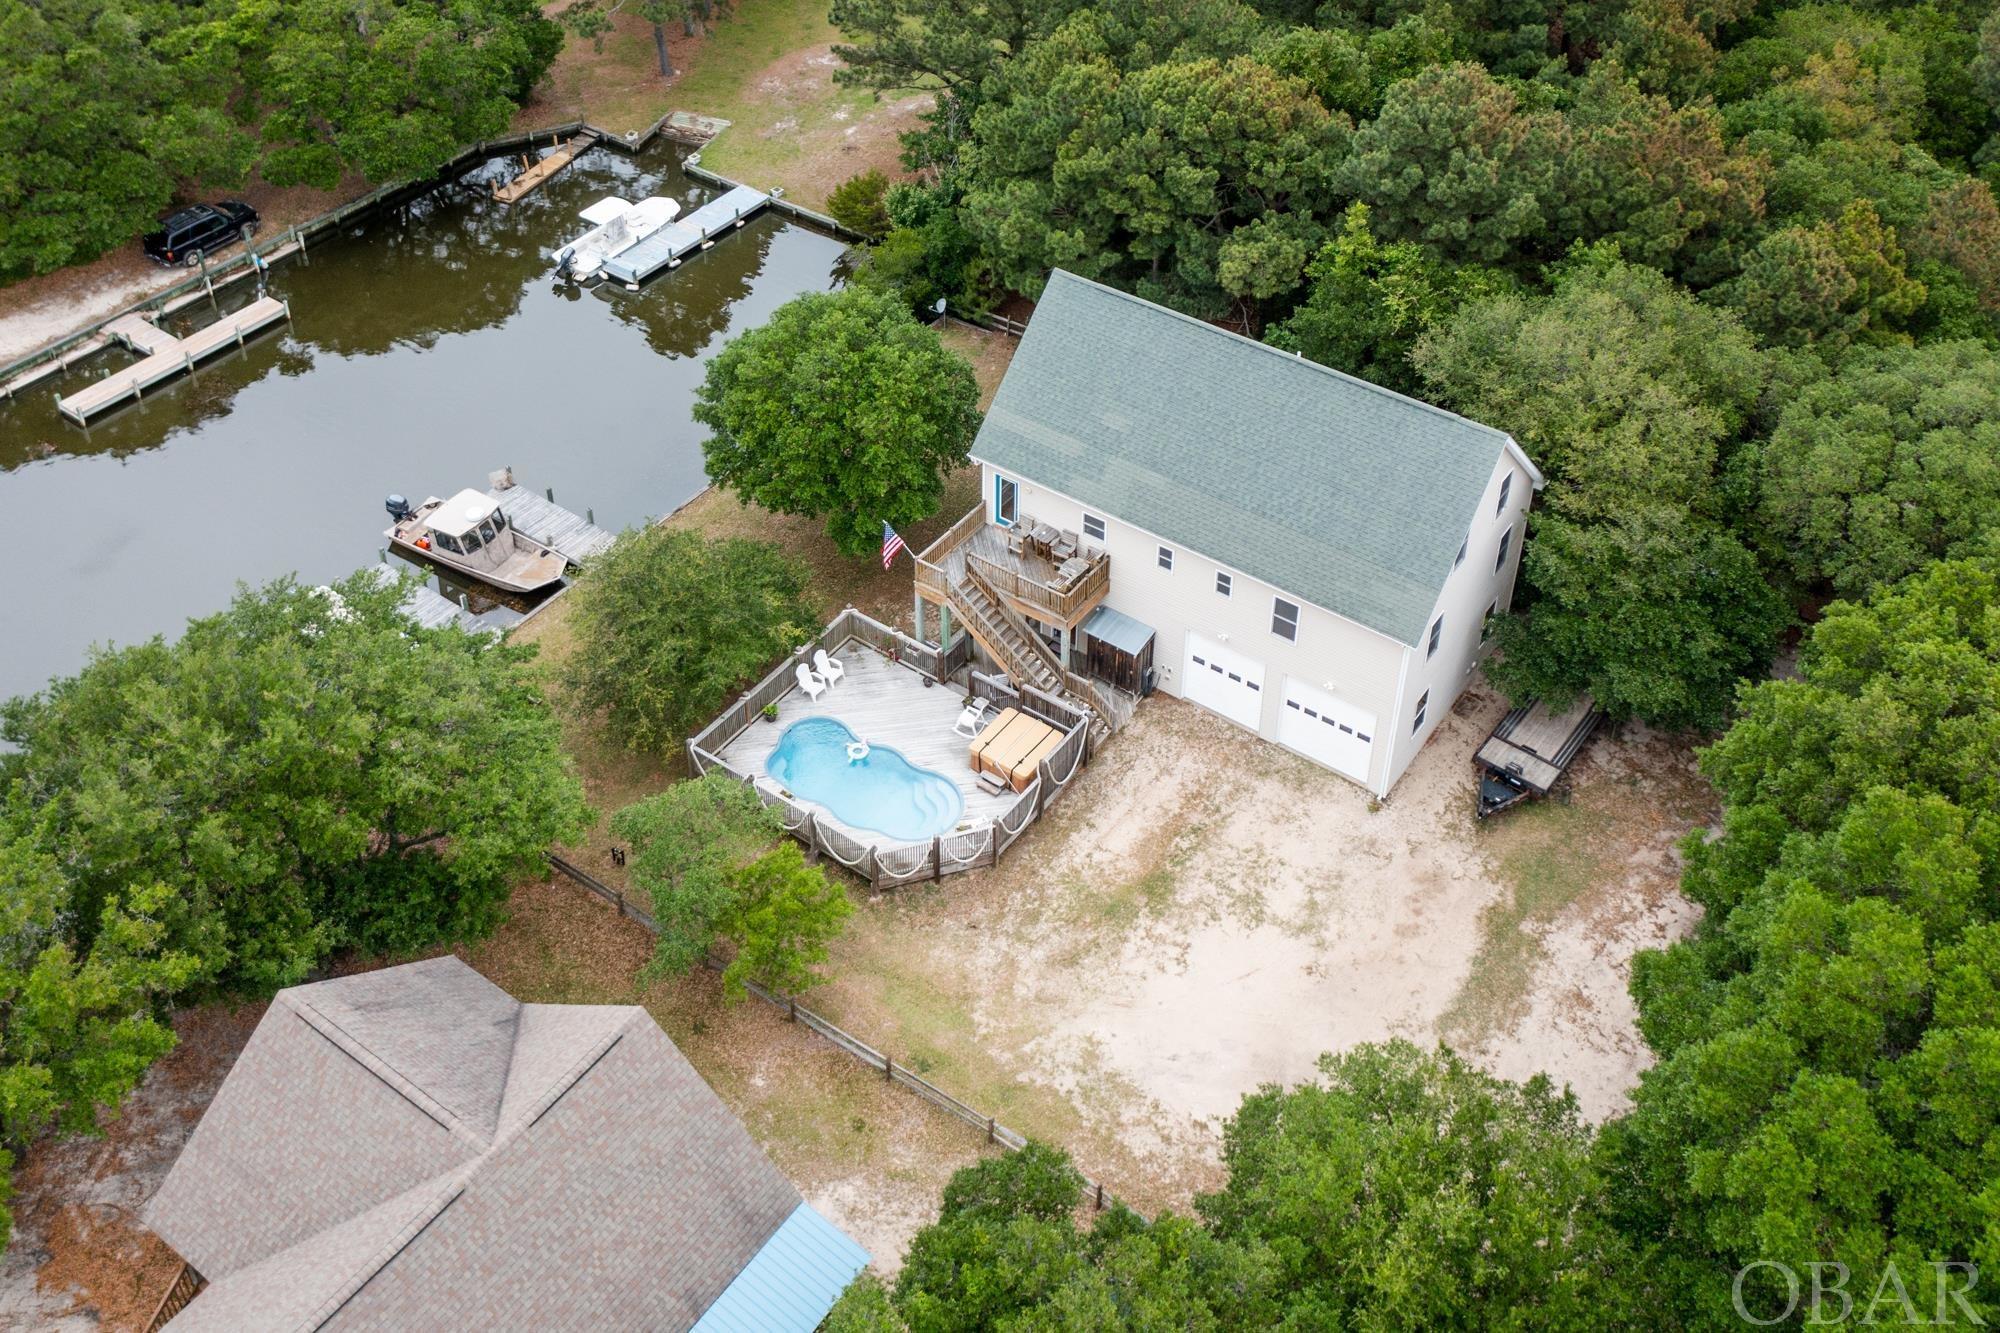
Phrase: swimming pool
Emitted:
{"points": [[884, 793]]}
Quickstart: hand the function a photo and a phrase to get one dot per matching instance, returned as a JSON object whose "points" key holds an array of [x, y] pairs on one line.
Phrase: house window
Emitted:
{"points": [[1222, 583], [1506, 540], [1423, 703], [1437, 633], [1459, 559], [1486, 624], [1284, 619], [1006, 501], [1506, 485], [1093, 527], [1167, 558]]}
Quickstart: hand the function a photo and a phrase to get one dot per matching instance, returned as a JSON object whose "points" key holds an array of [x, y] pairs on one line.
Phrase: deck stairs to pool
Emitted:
{"points": [[1024, 656]]}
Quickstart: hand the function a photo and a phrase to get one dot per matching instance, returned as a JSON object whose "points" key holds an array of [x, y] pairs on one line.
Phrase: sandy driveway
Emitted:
{"points": [[1206, 912]]}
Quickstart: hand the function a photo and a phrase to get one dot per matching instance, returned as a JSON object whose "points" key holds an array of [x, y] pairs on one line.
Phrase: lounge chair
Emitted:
{"points": [[969, 720], [829, 668], [810, 683]]}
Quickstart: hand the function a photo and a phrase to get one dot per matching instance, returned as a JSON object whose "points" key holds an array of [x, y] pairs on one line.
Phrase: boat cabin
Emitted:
{"points": [[467, 523]]}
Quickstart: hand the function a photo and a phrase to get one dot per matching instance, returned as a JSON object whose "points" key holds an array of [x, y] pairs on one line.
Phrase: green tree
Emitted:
{"points": [[1830, 284], [279, 756], [393, 90], [668, 623], [1624, 389], [857, 204], [1201, 184], [1456, 164], [841, 407], [1829, 1039], [688, 844], [1404, 1188], [1890, 464], [77, 1028], [1654, 613], [1369, 302], [106, 110], [929, 43], [786, 913]]}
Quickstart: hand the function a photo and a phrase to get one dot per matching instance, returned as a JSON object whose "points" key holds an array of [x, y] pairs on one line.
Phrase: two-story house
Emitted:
{"points": [[1170, 505]]}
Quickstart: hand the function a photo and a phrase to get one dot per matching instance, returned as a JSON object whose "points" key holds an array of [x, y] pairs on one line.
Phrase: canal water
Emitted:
{"points": [[427, 347]]}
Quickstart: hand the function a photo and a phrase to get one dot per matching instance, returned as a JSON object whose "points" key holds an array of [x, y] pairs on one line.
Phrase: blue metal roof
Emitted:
{"points": [[791, 1283], [1117, 629]]}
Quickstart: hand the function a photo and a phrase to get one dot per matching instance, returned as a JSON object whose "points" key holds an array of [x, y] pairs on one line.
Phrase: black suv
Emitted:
{"points": [[199, 229]]}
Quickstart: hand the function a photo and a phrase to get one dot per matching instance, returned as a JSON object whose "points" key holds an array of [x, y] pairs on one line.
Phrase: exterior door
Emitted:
{"points": [[1327, 728], [1225, 681]]}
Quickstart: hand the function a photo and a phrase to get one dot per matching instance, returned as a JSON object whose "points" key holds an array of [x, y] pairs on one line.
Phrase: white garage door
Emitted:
{"points": [[1228, 682], [1327, 728]]}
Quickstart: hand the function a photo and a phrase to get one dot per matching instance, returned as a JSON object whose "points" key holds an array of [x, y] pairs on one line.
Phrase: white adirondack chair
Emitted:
{"points": [[829, 668], [810, 683], [969, 720]]}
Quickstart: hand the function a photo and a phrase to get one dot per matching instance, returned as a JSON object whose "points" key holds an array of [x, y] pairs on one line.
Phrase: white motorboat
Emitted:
{"points": [[616, 226]]}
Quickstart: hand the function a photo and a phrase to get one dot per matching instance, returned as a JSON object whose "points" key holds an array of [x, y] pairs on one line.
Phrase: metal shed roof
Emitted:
{"points": [[791, 1283], [1117, 629], [1348, 495]]}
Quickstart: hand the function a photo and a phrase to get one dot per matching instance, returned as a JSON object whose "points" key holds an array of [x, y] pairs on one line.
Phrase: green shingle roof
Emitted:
{"points": [[1344, 493]]}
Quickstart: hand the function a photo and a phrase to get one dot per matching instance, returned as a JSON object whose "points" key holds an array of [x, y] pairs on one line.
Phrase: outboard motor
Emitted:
{"points": [[399, 509]]}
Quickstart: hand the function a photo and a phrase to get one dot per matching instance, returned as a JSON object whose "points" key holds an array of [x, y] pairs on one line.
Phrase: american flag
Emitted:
{"points": [[891, 544]]}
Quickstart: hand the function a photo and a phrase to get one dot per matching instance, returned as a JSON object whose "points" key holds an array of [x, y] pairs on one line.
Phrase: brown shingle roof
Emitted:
{"points": [[412, 1147]]}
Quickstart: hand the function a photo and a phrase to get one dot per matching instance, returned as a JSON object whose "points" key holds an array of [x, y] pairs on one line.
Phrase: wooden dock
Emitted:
{"points": [[671, 244], [542, 169], [542, 519], [166, 356]]}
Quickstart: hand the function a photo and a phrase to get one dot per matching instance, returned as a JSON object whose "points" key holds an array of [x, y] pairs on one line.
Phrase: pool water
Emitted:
{"points": [[884, 793]]}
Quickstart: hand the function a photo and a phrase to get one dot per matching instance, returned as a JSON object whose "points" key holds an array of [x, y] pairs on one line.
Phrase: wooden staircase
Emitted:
{"points": [[1024, 655]]}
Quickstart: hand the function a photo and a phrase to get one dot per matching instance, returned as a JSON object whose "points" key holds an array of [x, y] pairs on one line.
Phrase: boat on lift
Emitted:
{"points": [[616, 226], [469, 534]]}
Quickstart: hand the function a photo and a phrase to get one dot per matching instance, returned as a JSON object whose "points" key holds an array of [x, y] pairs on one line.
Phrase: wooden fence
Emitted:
{"points": [[995, 1132], [187, 1284], [888, 866]]}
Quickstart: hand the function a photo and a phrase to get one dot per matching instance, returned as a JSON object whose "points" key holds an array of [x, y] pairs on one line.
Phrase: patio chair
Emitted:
{"points": [[969, 720], [810, 683], [828, 667], [1065, 546]]}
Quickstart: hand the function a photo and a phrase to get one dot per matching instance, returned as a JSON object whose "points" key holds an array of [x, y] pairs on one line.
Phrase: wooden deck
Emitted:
{"points": [[167, 356], [884, 703], [1029, 580], [668, 246], [539, 171], [535, 515]]}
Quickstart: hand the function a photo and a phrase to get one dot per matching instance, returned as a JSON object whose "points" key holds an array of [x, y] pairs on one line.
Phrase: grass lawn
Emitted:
{"points": [[767, 68]]}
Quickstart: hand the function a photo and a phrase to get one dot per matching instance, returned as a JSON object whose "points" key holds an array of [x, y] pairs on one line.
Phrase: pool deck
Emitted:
{"points": [[884, 703]]}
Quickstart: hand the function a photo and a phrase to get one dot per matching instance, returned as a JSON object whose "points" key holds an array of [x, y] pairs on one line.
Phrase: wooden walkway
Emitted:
{"points": [[167, 356], [884, 703], [542, 169], [668, 246], [547, 522]]}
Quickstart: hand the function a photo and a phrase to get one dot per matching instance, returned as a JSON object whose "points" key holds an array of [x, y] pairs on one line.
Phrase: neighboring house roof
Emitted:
{"points": [[1344, 493], [414, 1148]]}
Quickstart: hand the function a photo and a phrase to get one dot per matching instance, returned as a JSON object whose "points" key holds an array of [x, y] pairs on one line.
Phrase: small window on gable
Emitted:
{"points": [[1437, 634], [1506, 485], [1506, 540], [1423, 705], [1284, 619], [1222, 583], [1459, 559], [1093, 527], [1167, 558]]}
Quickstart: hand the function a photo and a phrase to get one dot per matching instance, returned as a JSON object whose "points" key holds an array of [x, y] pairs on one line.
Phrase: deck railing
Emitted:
{"points": [[931, 574], [887, 865], [1059, 605]]}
